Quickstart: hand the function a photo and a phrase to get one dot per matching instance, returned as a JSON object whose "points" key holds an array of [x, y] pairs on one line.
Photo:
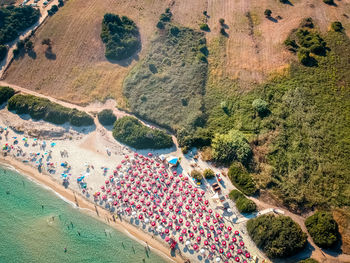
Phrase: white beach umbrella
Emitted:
{"points": [[188, 243], [218, 259], [133, 213], [202, 251], [146, 220]]}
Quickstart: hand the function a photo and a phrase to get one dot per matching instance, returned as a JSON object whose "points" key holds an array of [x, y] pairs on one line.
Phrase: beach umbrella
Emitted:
{"points": [[209, 235], [153, 223], [181, 238], [216, 239], [188, 243], [140, 216], [234, 239], [195, 247], [198, 239], [177, 228], [184, 231], [221, 250], [194, 228], [228, 255], [201, 231], [202, 251], [218, 259], [236, 233], [237, 259], [213, 247], [232, 247], [191, 234], [223, 243], [229, 228], [166, 231], [181, 220], [146, 220], [188, 224], [241, 243], [247, 255], [206, 242], [227, 236], [239, 251], [219, 232], [210, 211], [167, 239]]}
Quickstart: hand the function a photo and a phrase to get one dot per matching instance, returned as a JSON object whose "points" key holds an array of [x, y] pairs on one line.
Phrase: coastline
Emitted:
{"points": [[91, 209]]}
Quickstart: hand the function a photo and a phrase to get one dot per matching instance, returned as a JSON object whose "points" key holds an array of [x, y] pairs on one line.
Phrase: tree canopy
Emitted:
{"points": [[277, 236], [13, 20], [120, 35], [323, 229], [5, 94], [132, 132], [230, 147], [106, 117]]}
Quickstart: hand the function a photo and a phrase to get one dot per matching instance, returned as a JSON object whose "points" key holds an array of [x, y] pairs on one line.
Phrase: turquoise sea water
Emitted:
{"points": [[29, 234]]}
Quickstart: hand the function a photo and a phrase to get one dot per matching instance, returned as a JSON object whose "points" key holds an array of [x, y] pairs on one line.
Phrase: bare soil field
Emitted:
{"points": [[253, 49], [78, 71]]}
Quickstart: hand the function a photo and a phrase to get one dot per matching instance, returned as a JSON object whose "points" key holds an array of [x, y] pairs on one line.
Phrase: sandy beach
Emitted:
{"points": [[89, 208]]}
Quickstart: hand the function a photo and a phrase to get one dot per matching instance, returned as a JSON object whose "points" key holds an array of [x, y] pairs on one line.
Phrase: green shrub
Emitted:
{"points": [[132, 132], [106, 117], [307, 22], [196, 175], [41, 108], [243, 204], [323, 229], [166, 17], [222, 21], [230, 147], [160, 25], [208, 173], [337, 26], [267, 12], [5, 94], [277, 236], [242, 179], [235, 195], [309, 260], [16, 19], [120, 35], [304, 56], [52, 10], [174, 30], [204, 27], [260, 106]]}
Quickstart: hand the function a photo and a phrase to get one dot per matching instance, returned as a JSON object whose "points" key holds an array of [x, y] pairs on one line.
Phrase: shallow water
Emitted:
{"points": [[30, 233]]}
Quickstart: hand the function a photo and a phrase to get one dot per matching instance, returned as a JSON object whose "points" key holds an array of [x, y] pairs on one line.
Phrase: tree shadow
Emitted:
{"points": [[225, 26], [287, 2], [125, 62], [32, 54], [49, 54], [272, 19]]}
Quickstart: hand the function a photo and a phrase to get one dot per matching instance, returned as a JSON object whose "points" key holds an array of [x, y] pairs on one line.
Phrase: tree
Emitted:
{"points": [[277, 236], [196, 175], [29, 46], [267, 12], [208, 173], [222, 21], [337, 26], [241, 179], [323, 229], [3, 52], [5, 94], [160, 25], [231, 146], [60, 3], [46, 41], [260, 106], [204, 27], [106, 117], [304, 56]]}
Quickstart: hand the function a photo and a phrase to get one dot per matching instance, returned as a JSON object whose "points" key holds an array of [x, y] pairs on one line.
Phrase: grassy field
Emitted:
{"points": [[168, 85], [301, 148]]}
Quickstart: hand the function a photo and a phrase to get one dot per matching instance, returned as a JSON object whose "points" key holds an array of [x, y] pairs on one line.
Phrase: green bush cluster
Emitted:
{"points": [[166, 16], [323, 229], [337, 26], [208, 173], [16, 19], [242, 179], [120, 35], [204, 27], [52, 10], [309, 260], [277, 236], [106, 117], [133, 133], [231, 147], [5, 94], [196, 175], [41, 108], [260, 106], [243, 204]]}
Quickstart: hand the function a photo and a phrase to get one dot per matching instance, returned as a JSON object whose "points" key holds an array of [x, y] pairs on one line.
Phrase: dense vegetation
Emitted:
{"points": [[241, 179], [3, 52], [168, 84], [120, 35], [277, 236], [208, 173], [44, 109], [243, 204], [5, 94], [306, 41], [132, 132], [306, 136], [13, 20], [196, 175], [323, 229], [106, 117], [309, 260], [232, 146]]}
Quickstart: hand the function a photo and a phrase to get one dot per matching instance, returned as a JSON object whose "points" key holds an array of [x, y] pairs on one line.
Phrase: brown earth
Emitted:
{"points": [[80, 72], [342, 217]]}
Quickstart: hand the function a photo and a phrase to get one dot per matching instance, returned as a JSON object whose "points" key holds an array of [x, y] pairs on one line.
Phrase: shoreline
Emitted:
{"points": [[89, 208]]}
